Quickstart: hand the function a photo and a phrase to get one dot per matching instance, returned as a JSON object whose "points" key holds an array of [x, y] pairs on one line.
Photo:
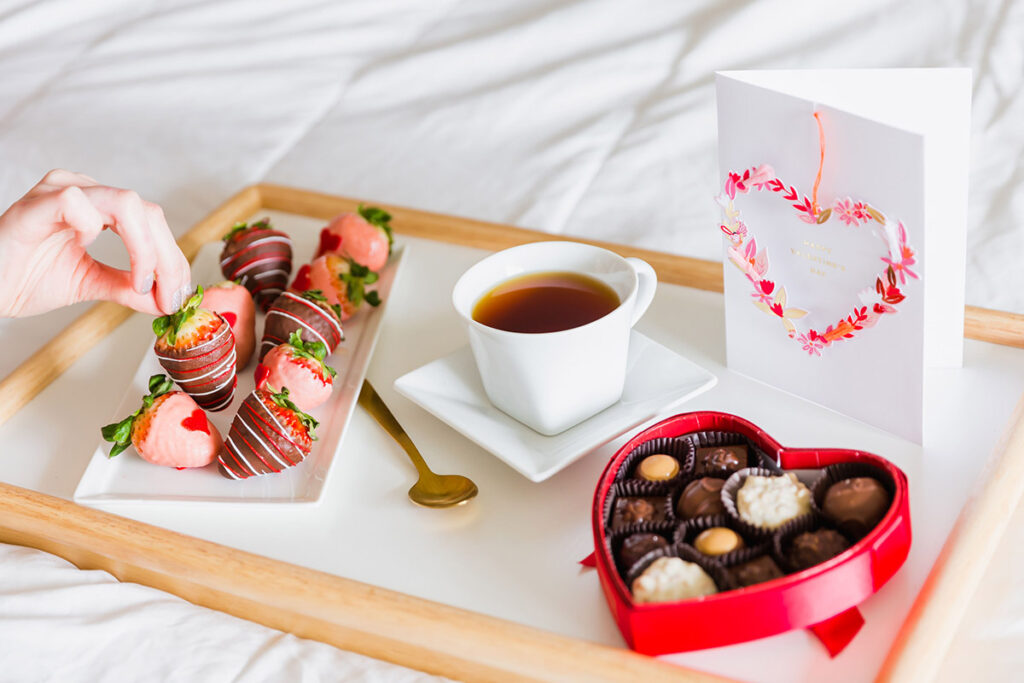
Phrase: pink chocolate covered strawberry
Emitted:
{"points": [[309, 313], [343, 282], [269, 434], [298, 365], [197, 349], [169, 429], [364, 237], [232, 301], [259, 257]]}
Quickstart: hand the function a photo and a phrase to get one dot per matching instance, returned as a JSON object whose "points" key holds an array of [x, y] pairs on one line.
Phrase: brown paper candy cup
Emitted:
{"points": [[634, 489], [787, 532], [848, 470], [680, 449], [687, 532], [613, 541], [718, 438], [715, 570]]}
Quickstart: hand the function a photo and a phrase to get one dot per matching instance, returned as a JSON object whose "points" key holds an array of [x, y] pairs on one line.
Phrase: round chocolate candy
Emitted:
{"points": [[758, 570], [669, 579], [637, 545], [701, 498], [770, 502], [657, 467], [814, 547], [718, 540], [856, 505]]}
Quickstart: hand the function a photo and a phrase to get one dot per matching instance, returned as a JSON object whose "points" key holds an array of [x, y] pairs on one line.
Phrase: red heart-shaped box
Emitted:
{"points": [[823, 598]]}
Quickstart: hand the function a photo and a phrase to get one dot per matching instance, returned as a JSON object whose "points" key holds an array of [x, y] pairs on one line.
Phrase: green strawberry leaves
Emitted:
{"points": [[308, 421], [318, 296], [355, 281], [241, 226], [316, 351], [171, 324], [380, 218], [120, 433]]}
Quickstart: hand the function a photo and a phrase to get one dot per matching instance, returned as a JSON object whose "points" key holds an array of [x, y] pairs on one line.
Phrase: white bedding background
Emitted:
{"points": [[587, 117]]}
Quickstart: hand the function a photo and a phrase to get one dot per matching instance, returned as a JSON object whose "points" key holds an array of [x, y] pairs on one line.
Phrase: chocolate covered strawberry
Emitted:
{"points": [[298, 365], [309, 313], [232, 301], [259, 257], [168, 429], [343, 282], [197, 349], [269, 434], [365, 237]]}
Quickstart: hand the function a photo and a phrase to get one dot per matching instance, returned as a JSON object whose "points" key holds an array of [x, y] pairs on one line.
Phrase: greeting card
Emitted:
{"points": [[843, 202]]}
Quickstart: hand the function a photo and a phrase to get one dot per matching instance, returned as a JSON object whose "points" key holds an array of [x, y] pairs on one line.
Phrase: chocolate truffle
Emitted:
{"points": [[814, 547], [701, 498], [770, 502], [669, 579], [657, 467], [758, 570], [634, 510], [721, 459], [718, 540], [856, 505], [636, 546]]}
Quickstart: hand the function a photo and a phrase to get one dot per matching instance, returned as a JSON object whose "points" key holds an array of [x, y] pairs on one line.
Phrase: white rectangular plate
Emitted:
{"points": [[657, 380], [128, 478]]}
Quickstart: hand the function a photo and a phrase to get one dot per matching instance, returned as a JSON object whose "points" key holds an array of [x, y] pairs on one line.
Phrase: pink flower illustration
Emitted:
{"points": [[901, 255], [763, 290], [812, 343], [850, 212], [753, 264]]}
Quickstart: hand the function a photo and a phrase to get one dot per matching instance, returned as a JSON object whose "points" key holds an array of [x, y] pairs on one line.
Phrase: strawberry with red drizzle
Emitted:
{"points": [[298, 365], [197, 349], [268, 435], [365, 237], [309, 313], [260, 258], [343, 282], [234, 304], [169, 429]]}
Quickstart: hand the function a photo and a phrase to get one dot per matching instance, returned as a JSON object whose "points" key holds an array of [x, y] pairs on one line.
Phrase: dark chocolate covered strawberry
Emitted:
{"points": [[168, 429], [365, 237], [309, 313], [298, 365], [260, 258], [268, 435], [197, 349]]}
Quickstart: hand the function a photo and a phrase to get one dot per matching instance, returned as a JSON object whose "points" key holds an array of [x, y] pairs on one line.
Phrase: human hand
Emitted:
{"points": [[43, 260]]}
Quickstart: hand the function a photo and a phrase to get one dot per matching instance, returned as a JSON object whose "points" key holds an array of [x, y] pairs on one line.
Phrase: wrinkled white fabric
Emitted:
{"points": [[582, 117]]}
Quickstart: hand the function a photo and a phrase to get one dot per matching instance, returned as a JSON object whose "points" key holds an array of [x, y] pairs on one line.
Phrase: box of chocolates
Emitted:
{"points": [[708, 532]]}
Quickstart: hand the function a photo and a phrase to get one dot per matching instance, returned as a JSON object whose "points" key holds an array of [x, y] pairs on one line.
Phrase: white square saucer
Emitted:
{"points": [[657, 380]]}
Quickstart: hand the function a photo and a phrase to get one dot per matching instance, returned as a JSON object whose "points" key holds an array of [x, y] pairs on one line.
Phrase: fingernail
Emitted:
{"points": [[147, 285], [179, 297]]}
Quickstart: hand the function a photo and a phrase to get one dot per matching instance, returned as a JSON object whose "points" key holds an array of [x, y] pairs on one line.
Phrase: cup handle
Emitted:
{"points": [[647, 282]]}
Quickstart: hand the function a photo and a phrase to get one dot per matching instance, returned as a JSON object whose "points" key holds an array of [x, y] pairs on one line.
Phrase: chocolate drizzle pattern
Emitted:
{"points": [[315, 321], [207, 371], [261, 258]]}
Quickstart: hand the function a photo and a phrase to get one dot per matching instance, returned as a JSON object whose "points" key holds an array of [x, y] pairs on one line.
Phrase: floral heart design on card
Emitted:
{"points": [[873, 302]]}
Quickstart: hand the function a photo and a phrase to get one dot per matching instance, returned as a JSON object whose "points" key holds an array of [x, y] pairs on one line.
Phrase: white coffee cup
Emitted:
{"points": [[551, 381]]}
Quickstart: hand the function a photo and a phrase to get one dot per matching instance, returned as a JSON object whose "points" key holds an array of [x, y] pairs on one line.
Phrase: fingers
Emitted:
{"points": [[173, 272], [68, 206], [101, 282], [124, 211], [59, 178]]}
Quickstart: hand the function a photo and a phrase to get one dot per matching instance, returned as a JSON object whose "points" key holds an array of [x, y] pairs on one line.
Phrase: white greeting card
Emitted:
{"points": [[844, 204]]}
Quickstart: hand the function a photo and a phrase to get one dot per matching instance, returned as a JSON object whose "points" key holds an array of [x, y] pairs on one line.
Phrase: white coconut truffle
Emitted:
{"points": [[770, 502], [669, 579]]}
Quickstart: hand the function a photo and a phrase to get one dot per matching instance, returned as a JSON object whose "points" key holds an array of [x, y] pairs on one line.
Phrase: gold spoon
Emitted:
{"points": [[432, 490]]}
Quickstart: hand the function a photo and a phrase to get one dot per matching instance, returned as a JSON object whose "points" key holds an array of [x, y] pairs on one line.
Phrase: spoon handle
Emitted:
{"points": [[374, 404]]}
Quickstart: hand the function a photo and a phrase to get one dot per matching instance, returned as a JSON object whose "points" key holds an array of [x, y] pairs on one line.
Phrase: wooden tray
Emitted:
{"points": [[411, 631]]}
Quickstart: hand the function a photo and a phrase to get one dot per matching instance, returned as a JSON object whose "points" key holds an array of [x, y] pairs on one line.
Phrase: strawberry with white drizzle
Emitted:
{"points": [[300, 366], [268, 435], [365, 237], [343, 282], [169, 429], [232, 301], [259, 257], [309, 313], [197, 349]]}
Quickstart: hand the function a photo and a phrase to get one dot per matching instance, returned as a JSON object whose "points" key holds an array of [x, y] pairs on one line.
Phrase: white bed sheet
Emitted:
{"points": [[592, 118]]}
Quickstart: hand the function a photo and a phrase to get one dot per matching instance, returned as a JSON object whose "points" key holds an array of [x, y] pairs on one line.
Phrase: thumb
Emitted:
{"points": [[102, 282]]}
